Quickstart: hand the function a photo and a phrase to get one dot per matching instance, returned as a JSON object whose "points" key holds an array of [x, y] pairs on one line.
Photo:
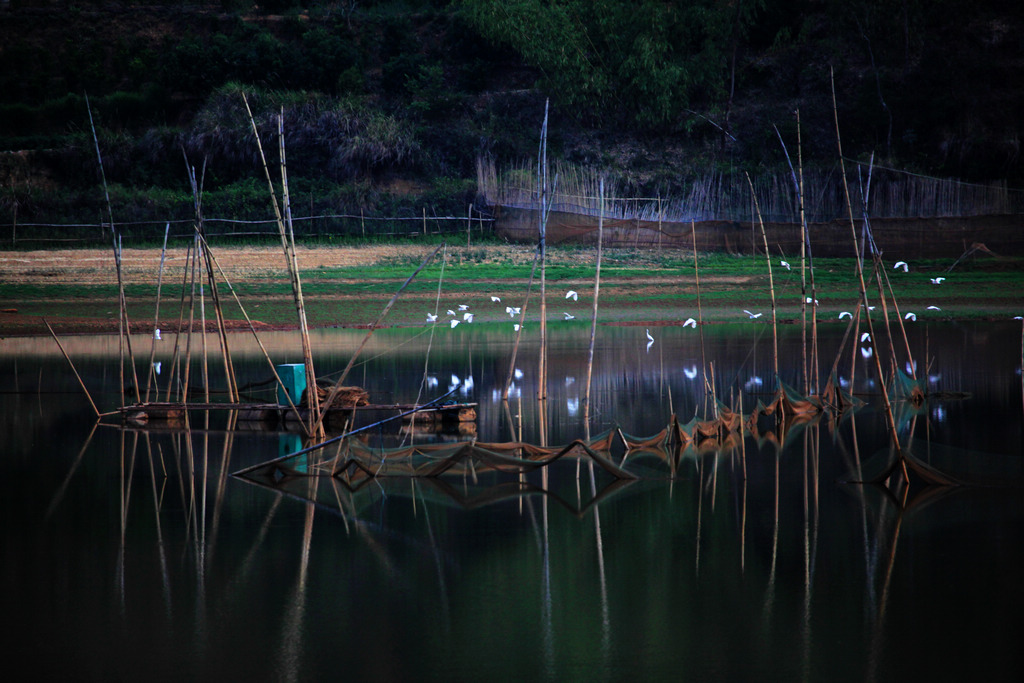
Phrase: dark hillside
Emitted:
{"points": [[387, 105]]}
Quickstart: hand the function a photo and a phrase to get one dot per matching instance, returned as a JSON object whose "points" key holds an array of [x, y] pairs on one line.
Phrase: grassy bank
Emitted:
{"points": [[348, 287]]}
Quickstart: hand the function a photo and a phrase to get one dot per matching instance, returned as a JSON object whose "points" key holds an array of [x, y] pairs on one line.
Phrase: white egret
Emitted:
{"points": [[468, 317], [572, 295], [518, 374], [866, 351], [846, 314], [903, 265], [156, 366], [463, 307], [431, 381], [572, 405], [934, 308], [452, 313], [156, 334], [496, 299], [650, 341], [568, 316], [453, 322], [753, 316], [690, 372], [690, 322], [865, 337], [811, 301], [516, 327], [431, 318], [937, 280], [910, 316], [784, 265]]}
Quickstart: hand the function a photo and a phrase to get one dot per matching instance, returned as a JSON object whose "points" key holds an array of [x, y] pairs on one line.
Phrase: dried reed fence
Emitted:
{"points": [[727, 196]]}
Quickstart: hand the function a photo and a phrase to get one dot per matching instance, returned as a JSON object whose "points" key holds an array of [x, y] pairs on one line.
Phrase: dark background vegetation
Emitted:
{"points": [[388, 105]]}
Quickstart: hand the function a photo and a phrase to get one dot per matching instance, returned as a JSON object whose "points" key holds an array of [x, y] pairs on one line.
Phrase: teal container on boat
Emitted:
{"points": [[293, 376]]}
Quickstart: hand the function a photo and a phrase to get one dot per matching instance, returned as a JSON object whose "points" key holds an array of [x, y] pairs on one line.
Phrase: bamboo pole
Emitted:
{"points": [[312, 397], [700, 315], [222, 336], [175, 358], [771, 283], [202, 333], [316, 427], [803, 257], [68, 359], [542, 380], [284, 230], [191, 319], [252, 329], [593, 317], [810, 257], [124, 327], [156, 314], [519, 331], [890, 420]]}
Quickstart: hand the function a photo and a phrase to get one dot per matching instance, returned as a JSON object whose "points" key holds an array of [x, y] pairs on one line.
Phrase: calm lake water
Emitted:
{"points": [[135, 555]]}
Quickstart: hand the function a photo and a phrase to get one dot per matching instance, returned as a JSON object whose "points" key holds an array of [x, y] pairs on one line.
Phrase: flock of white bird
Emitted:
{"points": [[466, 316], [513, 311]]}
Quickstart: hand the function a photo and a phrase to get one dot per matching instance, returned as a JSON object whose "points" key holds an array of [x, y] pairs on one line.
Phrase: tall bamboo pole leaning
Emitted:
{"points": [[597, 292], [125, 328], [289, 250], [771, 282], [542, 380], [312, 397], [68, 359], [890, 421], [865, 216], [877, 267], [316, 426]]}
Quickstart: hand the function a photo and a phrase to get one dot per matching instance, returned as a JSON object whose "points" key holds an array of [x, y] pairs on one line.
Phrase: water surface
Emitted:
{"points": [[134, 554]]}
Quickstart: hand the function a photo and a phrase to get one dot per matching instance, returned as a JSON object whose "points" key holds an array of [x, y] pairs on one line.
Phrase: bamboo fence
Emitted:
{"points": [[727, 196]]}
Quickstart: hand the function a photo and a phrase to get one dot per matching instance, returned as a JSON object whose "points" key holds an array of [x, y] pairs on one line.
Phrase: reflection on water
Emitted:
{"points": [[135, 554]]}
